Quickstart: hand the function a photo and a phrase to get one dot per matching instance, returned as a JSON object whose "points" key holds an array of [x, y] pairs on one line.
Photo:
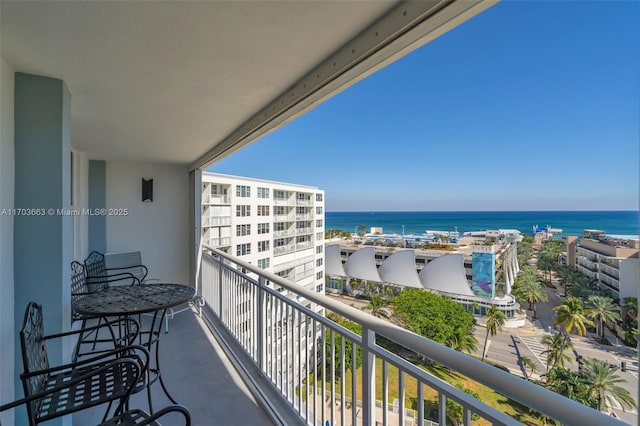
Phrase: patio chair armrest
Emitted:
{"points": [[78, 379], [131, 337], [125, 350], [124, 268]]}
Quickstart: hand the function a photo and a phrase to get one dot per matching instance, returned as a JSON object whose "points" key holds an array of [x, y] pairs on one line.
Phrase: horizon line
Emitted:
{"points": [[480, 211]]}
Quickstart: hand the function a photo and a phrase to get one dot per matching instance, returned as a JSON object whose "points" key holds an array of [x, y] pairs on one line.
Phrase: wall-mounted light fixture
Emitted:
{"points": [[147, 189]]}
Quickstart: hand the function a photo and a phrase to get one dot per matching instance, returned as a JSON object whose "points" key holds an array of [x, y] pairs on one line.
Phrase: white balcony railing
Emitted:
{"points": [[283, 249], [296, 348], [220, 221], [283, 233]]}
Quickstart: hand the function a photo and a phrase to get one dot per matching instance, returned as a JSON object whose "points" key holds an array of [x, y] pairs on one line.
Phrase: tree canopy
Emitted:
{"points": [[432, 316]]}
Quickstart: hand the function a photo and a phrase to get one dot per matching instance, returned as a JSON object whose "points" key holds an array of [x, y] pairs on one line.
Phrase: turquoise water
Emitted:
{"points": [[571, 223]]}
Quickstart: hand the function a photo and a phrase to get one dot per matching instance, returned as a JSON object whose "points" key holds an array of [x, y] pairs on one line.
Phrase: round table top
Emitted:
{"points": [[133, 299]]}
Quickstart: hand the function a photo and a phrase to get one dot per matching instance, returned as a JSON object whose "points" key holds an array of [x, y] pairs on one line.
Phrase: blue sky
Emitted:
{"points": [[527, 106]]}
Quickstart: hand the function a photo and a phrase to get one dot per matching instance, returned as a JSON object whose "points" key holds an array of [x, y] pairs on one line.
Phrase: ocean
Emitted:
{"points": [[571, 223]]}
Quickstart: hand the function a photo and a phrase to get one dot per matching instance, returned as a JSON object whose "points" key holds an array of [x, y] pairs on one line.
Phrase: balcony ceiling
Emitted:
{"points": [[169, 81]]}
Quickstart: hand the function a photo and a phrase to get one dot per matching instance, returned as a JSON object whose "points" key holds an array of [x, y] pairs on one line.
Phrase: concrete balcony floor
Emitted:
{"points": [[199, 376]]}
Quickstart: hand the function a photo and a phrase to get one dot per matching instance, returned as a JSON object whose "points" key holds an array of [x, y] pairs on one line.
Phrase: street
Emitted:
{"points": [[511, 344]]}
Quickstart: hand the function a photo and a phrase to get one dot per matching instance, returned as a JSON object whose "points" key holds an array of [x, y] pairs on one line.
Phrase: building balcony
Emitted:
{"points": [[304, 231], [282, 202], [283, 249], [284, 217], [283, 344], [283, 233]]}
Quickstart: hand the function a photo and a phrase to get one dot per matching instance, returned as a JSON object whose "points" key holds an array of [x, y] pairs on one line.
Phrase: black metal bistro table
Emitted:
{"points": [[130, 300]]}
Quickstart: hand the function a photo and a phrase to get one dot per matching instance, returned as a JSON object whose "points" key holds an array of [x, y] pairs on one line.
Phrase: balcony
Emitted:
{"points": [[283, 343], [283, 249], [283, 233], [284, 217], [125, 126]]}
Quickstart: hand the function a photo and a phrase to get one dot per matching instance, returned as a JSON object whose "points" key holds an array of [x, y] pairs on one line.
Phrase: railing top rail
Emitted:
{"points": [[525, 392]]}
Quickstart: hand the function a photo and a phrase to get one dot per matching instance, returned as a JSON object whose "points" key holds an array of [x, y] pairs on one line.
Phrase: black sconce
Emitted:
{"points": [[147, 189]]}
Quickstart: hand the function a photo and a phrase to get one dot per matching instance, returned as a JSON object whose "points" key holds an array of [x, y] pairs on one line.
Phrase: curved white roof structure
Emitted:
{"points": [[362, 264], [400, 269], [333, 261], [446, 273]]}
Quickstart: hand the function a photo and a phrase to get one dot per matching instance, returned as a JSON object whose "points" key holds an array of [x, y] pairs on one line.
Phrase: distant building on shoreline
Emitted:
{"points": [[476, 276], [612, 260]]}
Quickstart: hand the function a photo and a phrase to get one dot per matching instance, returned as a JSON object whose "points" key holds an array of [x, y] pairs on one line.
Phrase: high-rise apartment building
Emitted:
{"points": [[277, 226], [609, 259]]}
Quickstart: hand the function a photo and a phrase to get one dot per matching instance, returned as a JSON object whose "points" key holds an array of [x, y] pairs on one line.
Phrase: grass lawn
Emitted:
{"points": [[487, 395]]}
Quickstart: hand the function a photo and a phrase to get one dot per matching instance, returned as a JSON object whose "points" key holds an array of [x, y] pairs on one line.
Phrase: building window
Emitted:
{"points": [[243, 210], [319, 287], [303, 197], [319, 249], [303, 239], [243, 230], [279, 210], [243, 249], [243, 191], [318, 210], [263, 192], [263, 263], [263, 210], [319, 262], [318, 197], [319, 223], [319, 236], [263, 245], [281, 226], [301, 210], [280, 242], [263, 228]]}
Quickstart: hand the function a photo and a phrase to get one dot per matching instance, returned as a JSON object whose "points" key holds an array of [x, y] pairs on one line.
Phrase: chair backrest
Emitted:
{"points": [[79, 285], [130, 261], [34, 352], [94, 265]]}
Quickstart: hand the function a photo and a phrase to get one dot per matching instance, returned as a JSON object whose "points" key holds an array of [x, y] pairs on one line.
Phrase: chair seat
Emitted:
{"points": [[114, 382]]}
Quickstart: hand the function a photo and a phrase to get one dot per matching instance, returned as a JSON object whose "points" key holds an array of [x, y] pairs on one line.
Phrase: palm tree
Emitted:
{"points": [[463, 342], [534, 293], [602, 309], [375, 306], [602, 383], [528, 363], [630, 309], [557, 344], [495, 322], [565, 382], [571, 315], [546, 264]]}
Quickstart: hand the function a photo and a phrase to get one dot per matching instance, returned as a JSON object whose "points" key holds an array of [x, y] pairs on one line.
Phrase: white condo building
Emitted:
{"points": [[276, 226]]}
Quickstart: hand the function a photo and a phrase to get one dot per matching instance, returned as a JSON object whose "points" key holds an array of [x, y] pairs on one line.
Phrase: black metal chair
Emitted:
{"points": [[89, 335], [141, 418], [130, 262], [51, 392], [96, 270]]}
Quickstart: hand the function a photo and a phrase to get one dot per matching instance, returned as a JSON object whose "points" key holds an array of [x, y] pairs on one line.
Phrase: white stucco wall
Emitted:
{"points": [[629, 278], [158, 229], [7, 180]]}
